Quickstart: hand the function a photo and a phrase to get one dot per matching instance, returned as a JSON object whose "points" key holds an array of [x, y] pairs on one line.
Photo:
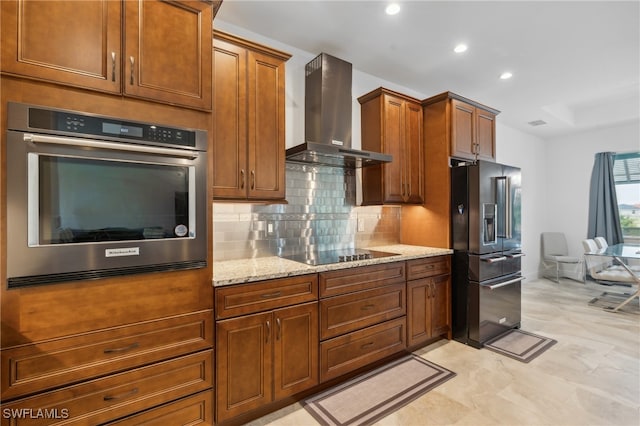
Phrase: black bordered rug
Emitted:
{"points": [[369, 397], [520, 345]]}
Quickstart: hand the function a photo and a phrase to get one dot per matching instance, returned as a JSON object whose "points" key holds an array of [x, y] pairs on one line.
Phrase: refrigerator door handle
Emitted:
{"points": [[503, 200], [508, 219], [494, 259], [514, 255], [505, 283]]}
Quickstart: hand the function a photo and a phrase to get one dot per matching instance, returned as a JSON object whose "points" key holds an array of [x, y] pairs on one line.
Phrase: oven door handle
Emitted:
{"points": [[113, 146], [503, 284]]}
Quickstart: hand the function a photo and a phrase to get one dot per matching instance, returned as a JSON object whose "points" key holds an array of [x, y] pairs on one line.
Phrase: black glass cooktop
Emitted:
{"points": [[337, 256]]}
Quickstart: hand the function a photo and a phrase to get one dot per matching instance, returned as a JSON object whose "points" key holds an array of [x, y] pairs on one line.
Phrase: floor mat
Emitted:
{"points": [[369, 397], [520, 345]]}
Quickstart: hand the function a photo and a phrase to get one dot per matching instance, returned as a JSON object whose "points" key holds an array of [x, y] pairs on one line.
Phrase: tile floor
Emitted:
{"points": [[590, 377]]}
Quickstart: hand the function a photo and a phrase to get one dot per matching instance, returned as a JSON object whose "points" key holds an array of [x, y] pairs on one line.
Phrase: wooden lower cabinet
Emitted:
{"points": [[119, 395], [265, 357], [428, 300]]}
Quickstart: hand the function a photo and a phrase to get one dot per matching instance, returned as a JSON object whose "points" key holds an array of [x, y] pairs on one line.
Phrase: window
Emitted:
{"points": [[626, 173]]}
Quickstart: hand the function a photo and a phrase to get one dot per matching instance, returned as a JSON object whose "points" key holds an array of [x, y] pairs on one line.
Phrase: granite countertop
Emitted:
{"points": [[263, 268]]}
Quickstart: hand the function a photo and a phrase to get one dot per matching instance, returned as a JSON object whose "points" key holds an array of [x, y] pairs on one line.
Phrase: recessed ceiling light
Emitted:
{"points": [[506, 75], [460, 48], [392, 9]]}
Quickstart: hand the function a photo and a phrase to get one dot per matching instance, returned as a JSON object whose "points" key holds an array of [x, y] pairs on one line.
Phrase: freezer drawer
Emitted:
{"points": [[494, 307], [489, 266]]}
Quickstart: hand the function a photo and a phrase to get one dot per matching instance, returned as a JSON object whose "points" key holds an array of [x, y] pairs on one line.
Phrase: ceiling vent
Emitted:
{"points": [[535, 123]]}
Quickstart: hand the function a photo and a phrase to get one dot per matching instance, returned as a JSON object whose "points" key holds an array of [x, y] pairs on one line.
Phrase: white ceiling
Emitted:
{"points": [[575, 64]]}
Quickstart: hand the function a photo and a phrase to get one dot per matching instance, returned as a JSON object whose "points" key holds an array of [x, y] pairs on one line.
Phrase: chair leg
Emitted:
{"points": [[558, 272]]}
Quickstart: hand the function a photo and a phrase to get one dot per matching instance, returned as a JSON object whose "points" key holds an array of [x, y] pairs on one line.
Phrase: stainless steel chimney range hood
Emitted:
{"points": [[328, 118]]}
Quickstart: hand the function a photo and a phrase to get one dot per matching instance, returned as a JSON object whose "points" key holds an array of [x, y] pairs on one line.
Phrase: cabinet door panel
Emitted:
{"points": [[265, 126], [485, 134], [414, 174], [418, 312], [229, 172], [243, 364], [168, 52], [463, 128], [393, 139], [440, 305], [85, 54], [295, 349]]}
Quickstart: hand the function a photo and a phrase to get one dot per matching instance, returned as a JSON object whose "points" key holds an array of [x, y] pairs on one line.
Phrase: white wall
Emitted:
{"points": [[528, 152], [569, 162]]}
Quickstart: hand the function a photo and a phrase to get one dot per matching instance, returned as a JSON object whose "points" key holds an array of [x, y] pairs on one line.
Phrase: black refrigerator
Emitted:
{"points": [[486, 205]]}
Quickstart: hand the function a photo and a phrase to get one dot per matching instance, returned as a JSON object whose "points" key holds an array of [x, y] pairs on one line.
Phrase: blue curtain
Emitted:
{"points": [[604, 219]]}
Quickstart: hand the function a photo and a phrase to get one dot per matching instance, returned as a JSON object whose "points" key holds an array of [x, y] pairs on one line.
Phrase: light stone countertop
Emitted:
{"points": [[263, 268]]}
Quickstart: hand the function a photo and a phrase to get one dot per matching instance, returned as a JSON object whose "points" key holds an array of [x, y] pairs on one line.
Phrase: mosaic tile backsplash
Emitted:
{"points": [[321, 214]]}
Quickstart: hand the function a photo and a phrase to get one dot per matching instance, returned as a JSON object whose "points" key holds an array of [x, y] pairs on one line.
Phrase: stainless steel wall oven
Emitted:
{"points": [[92, 197]]}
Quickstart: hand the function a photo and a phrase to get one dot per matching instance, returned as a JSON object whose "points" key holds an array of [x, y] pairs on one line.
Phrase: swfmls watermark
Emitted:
{"points": [[35, 413]]}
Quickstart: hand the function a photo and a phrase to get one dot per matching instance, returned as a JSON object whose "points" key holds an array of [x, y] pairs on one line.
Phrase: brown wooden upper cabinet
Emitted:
{"points": [[392, 123], [154, 50], [473, 126], [248, 120]]}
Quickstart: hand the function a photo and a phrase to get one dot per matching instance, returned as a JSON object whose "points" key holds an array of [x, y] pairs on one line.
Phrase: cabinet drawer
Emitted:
{"points": [[428, 267], [264, 295], [119, 395], [333, 283], [40, 366], [349, 312], [351, 351], [193, 410]]}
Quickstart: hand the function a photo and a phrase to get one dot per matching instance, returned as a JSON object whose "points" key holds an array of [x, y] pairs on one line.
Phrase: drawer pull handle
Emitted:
{"points": [[268, 332], [113, 66], [120, 396], [279, 324], [271, 295], [132, 61], [366, 345], [122, 349], [368, 307]]}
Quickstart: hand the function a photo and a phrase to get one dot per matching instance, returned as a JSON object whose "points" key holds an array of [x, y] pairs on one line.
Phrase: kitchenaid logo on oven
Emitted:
{"points": [[124, 251]]}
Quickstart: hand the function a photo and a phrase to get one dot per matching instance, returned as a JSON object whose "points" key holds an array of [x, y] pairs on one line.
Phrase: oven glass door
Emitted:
{"points": [[89, 200]]}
